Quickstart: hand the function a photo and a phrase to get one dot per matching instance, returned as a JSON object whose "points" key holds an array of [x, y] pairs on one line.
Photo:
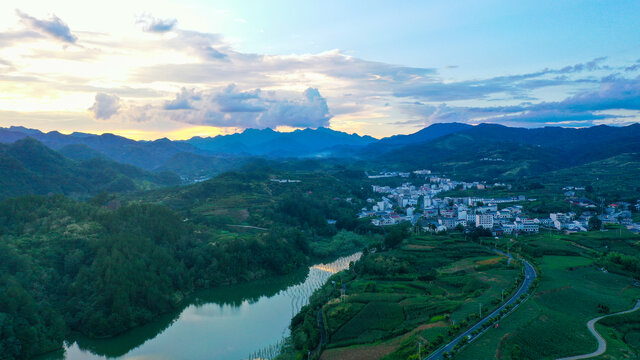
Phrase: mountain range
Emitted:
{"points": [[485, 151]]}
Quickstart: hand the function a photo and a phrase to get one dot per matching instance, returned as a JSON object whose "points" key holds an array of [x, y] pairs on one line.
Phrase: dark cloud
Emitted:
{"points": [[105, 106], [53, 27], [155, 25]]}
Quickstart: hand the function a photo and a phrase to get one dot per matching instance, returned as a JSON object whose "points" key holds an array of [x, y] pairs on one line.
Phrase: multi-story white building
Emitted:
{"points": [[485, 221]]}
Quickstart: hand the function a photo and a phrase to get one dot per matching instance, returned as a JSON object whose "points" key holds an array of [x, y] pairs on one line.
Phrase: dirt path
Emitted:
{"points": [[602, 345]]}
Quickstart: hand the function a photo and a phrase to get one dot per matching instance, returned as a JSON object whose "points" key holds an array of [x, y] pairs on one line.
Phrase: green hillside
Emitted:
{"points": [[29, 167]]}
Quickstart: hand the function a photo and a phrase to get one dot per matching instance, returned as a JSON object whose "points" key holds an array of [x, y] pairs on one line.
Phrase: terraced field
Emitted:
{"points": [[424, 291]]}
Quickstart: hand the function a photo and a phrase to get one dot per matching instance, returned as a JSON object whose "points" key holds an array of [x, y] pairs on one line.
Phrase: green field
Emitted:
{"points": [[416, 291], [552, 323], [622, 334]]}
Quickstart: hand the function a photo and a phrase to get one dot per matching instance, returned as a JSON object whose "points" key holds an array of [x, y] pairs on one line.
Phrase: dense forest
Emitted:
{"points": [[106, 265]]}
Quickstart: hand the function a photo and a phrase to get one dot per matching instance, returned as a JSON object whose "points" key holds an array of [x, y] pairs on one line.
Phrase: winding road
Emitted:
{"points": [[530, 276], [602, 345]]}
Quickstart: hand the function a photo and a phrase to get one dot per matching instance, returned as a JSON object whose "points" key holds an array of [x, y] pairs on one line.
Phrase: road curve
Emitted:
{"points": [[530, 276], [602, 345]]}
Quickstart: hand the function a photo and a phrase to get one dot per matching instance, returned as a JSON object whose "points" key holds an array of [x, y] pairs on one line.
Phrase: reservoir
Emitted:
{"points": [[243, 321]]}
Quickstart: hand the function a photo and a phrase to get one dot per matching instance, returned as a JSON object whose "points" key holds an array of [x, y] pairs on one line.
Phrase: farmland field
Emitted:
{"points": [[572, 290], [416, 292]]}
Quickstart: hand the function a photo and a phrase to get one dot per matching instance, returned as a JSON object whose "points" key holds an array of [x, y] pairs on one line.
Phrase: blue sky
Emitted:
{"points": [[483, 37], [149, 69]]}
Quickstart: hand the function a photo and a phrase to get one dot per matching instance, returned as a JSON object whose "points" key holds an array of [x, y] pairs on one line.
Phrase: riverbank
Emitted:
{"points": [[230, 322]]}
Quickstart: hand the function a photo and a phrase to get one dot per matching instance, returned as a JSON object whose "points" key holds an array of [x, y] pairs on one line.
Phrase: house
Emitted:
{"points": [[575, 226], [447, 213], [430, 212], [448, 223], [547, 222], [508, 228], [526, 226], [484, 220]]}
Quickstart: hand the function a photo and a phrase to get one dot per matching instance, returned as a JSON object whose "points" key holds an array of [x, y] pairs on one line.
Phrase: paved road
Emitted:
{"points": [[530, 275], [602, 345]]}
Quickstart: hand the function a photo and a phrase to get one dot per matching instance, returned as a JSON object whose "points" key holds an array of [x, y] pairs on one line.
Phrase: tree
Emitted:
{"points": [[396, 236], [594, 223]]}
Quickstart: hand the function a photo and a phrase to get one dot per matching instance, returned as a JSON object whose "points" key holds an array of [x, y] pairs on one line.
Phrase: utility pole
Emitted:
{"points": [[419, 350]]}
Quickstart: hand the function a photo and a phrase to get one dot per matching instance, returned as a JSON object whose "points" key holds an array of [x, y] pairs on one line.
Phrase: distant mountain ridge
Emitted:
{"points": [[163, 153], [492, 151], [267, 142], [485, 150]]}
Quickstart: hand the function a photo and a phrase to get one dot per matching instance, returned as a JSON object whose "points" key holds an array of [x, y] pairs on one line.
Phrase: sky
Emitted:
{"points": [[151, 69]]}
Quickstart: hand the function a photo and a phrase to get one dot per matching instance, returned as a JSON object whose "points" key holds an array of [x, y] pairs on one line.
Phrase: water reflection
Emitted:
{"points": [[224, 323]]}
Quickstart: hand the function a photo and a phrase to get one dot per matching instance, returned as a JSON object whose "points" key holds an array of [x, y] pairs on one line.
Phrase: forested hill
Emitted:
{"points": [[106, 265], [29, 167], [490, 151], [71, 266]]}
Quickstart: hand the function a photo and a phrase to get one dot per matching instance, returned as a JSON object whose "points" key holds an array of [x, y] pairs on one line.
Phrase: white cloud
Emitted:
{"points": [[105, 106]]}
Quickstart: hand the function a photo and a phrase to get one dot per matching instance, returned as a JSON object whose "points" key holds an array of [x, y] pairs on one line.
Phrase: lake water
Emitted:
{"points": [[235, 322]]}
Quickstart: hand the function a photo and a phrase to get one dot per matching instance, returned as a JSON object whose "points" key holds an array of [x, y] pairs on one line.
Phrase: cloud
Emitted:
{"points": [[614, 94], [53, 27], [517, 86], [202, 44], [310, 111], [633, 67], [266, 70], [105, 106], [232, 101], [584, 108], [156, 25], [6, 66], [231, 107], [269, 90], [183, 100], [592, 65], [12, 37]]}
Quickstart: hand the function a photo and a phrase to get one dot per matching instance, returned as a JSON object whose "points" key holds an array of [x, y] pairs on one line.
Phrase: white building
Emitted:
{"points": [[485, 221]]}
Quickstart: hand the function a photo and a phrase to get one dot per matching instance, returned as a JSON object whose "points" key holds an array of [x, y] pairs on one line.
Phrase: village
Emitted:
{"points": [[424, 208]]}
